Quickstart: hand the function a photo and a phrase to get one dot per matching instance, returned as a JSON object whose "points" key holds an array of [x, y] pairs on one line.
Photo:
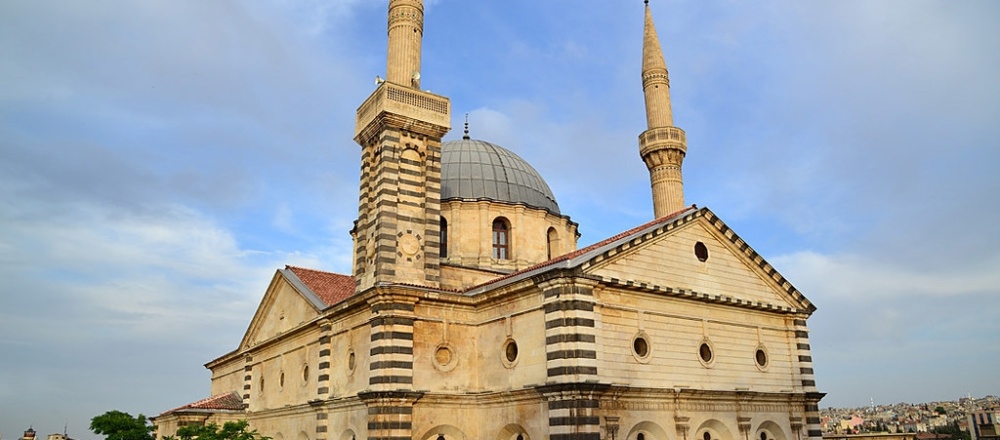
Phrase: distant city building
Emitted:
{"points": [[58, 436], [29, 434], [984, 425]]}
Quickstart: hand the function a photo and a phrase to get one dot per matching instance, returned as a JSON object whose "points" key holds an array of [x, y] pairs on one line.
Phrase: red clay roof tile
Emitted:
{"points": [[330, 287], [225, 401]]}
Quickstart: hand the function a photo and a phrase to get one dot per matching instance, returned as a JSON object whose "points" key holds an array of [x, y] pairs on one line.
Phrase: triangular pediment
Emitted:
{"points": [[287, 304], [699, 257]]}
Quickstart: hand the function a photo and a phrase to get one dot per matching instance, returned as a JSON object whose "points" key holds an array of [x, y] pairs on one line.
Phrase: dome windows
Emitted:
{"points": [[501, 239], [551, 237], [444, 238]]}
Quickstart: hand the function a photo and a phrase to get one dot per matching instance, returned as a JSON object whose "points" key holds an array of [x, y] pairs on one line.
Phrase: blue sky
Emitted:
{"points": [[159, 160]]}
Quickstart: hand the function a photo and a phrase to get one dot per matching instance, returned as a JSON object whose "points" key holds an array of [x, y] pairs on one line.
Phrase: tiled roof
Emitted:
{"points": [[330, 287], [219, 402]]}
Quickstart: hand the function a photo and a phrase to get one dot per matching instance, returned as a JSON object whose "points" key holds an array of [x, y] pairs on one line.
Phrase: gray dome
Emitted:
{"points": [[473, 169]]}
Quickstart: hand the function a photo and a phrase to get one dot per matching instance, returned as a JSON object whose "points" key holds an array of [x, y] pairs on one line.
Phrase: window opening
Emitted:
{"points": [[701, 251], [444, 238], [510, 351], [501, 239], [761, 358], [706, 352], [641, 347], [550, 241]]}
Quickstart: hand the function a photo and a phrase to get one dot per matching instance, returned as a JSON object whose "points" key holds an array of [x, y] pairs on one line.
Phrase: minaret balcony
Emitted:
{"points": [[662, 138], [406, 104]]}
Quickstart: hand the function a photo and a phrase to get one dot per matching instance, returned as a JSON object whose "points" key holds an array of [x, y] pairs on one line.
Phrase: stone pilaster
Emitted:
{"points": [[571, 360], [390, 414], [247, 378], [391, 349], [814, 429], [570, 335]]}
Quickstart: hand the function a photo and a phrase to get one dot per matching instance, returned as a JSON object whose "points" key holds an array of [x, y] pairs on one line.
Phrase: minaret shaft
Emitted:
{"points": [[406, 32], [662, 146]]}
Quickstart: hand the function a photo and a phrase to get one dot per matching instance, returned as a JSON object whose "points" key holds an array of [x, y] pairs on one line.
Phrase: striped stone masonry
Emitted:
{"points": [[323, 361], [814, 429], [574, 410], [391, 348], [397, 234], [390, 414], [247, 379], [570, 335], [571, 359]]}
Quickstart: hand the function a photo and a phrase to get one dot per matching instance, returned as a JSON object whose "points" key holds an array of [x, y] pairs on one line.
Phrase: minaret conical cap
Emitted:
{"points": [[655, 79], [652, 54]]}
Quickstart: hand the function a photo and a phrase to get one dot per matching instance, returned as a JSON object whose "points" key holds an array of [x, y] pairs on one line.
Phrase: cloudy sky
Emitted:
{"points": [[160, 159]]}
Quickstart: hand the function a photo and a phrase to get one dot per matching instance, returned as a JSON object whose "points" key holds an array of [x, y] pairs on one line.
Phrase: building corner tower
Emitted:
{"points": [[662, 146], [399, 128]]}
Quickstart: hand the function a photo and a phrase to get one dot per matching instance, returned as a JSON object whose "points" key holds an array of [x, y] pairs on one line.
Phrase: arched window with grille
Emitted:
{"points": [[501, 239]]}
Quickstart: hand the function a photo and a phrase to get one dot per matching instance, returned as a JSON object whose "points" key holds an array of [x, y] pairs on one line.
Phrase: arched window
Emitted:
{"points": [[444, 238], [550, 242], [501, 239]]}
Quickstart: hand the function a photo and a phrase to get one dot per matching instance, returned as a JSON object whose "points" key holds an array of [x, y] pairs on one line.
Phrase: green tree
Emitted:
{"points": [[117, 425], [940, 410], [239, 430]]}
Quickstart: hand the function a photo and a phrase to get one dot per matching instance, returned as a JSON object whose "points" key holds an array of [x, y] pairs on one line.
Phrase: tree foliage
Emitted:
{"points": [[117, 425], [239, 430]]}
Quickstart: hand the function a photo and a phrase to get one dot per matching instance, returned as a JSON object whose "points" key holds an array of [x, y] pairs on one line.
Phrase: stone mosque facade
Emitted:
{"points": [[470, 313]]}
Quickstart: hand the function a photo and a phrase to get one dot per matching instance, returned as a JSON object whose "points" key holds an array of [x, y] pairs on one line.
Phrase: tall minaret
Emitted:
{"points": [[399, 128], [662, 146]]}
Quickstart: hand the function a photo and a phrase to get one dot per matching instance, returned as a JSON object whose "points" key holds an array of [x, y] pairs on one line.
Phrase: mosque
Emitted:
{"points": [[470, 313]]}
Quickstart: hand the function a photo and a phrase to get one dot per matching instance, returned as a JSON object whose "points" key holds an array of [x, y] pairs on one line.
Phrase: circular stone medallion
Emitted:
{"points": [[409, 245]]}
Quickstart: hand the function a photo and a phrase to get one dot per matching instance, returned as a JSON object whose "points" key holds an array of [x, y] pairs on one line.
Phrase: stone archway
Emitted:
{"points": [[769, 430], [449, 432], [511, 432], [649, 431], [713, 429]]}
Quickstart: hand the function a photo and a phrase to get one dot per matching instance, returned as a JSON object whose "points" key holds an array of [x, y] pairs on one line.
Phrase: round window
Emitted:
{"points": [[701, 251], [640, 346], [350, 360], [705, 352], [509, 353], [761, 357]]}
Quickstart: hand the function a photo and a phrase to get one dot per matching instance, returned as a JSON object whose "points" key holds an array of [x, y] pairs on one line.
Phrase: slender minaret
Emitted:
{"points": [[662, 146], [399, 128], [406, 32]]}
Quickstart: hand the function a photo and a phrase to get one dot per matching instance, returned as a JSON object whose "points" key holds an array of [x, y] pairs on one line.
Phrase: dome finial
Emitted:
{"points": [[466, 137]]}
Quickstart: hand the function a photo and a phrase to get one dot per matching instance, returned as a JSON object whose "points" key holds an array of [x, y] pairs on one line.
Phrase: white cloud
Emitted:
{"points": [[861, 279]]}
